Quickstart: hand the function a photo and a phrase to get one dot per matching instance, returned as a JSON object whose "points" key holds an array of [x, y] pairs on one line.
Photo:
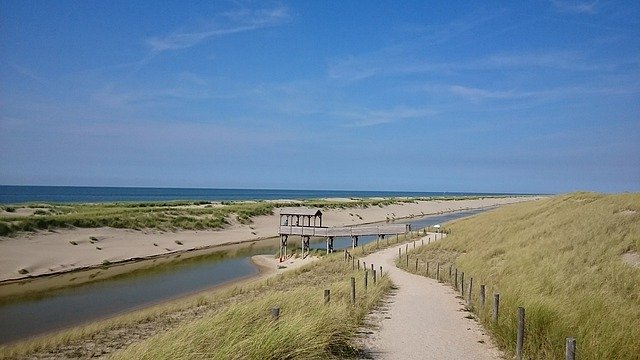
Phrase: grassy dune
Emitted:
{"points": [[233, 324], [560, 259], [191, 215]]}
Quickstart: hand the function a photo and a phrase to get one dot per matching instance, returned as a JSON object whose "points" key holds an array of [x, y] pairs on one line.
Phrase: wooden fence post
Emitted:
{"points": [[450, 268], [353, 290], [422, 242], [366, 278], [455, 284], [427, 269], [496, 308], [275, 313], [399, 252], [358, 264], [470, 291], [373, 273], [364, 266], [380, 270], [414, 245], [327, 296], [407, 259], [570, 349], [520, 334], [416, 264], [353, 263], [482, 294], [438, 271], [462, 284]]}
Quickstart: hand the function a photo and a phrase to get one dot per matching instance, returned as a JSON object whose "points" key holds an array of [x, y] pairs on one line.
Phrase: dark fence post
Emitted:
{"points": [[470, 291], [570, 351], [455, 284], [416, 264], [380, 270], [275, 313], [366, 278], [438, 272], [462, 284], [496, 307], [520, 334], [482, 294], [427, 269], [373, 273], [327, 296], [353, 290]]}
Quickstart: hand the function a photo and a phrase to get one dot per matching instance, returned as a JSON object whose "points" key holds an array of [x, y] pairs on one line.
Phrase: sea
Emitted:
{"points": [[17, 194]]}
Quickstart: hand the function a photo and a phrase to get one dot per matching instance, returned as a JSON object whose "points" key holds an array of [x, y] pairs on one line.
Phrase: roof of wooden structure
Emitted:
{"points": [[300, 211]]}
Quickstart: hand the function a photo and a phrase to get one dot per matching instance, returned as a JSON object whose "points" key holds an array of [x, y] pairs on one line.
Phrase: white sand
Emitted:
{"points": [[423, 319], [51, 252]]}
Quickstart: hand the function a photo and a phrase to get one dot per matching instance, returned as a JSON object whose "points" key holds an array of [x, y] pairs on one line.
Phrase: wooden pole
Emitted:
{"points": [[407, 259], [450, 268], [470, 291], [364, 266], [416, 264], [373, 274], [427, 269], [353, 290], [422, 242], [414, 245], [496, 308], [358, 264], [455, 284], [366, 278], [570, 349], [380, 270], [462, 284], [482, 294], [275, 313], [327, 296], [399, 252], [438, 272], [371, 267], [353, 263], [520, 334]]}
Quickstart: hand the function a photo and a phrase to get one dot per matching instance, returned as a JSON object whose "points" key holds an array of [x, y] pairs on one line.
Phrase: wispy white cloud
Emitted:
{"points": [[368, 117], [576, 7], [224, 24]]}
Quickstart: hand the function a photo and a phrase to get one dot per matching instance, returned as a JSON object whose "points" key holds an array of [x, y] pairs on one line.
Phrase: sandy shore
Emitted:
{"points": [[52, 252]]}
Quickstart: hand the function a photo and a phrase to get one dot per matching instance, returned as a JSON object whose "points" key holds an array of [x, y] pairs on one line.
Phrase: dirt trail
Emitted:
{"points": [[423, 319]]}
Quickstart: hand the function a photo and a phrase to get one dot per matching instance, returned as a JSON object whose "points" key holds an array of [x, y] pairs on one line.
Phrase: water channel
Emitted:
{"points": [[84, 303]]}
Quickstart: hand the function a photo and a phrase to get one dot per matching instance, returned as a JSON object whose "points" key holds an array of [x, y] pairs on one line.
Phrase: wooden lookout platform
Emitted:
{"points": [[308, 222]]}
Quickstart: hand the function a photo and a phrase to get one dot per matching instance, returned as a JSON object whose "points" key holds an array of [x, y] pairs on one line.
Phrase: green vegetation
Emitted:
{"points": [[166, 216], [560, 259], [236, 323]]}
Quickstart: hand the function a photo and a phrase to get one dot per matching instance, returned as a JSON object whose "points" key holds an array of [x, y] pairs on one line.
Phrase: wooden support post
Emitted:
{"points": [[416, 264], [427, 269], [399, 252], [422, 240], [462, 284], [520, 334], [373, 274], [470, 292], [371, 267], [353, 290], [358, 264], [407, 260], [397, 238], [364, 266], [450, 268], [327, 296], [414, 245], [406, 248], [482, 295], [496, 308], [380, 270], [275, 313], [570, 349], [438, 272]]}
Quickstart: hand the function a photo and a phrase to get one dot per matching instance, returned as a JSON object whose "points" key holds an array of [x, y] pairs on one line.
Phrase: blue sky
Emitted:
{"points": [[527, 96]]}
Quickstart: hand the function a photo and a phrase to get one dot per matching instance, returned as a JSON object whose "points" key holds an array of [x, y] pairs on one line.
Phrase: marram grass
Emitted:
{"points": [[560, 259]]}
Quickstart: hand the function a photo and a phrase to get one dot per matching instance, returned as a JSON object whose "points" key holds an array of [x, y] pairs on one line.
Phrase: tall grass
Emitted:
{"points": [[236, 324], [560, 259]]}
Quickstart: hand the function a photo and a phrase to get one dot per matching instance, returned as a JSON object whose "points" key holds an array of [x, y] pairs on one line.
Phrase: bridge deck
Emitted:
{"points": [[386, 229]]}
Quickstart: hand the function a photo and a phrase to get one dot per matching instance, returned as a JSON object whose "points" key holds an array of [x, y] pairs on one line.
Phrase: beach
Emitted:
{"points": [[42, 253]]}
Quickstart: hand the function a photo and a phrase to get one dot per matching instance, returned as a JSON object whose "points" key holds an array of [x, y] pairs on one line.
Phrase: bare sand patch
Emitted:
{"points": [[632, 258]]}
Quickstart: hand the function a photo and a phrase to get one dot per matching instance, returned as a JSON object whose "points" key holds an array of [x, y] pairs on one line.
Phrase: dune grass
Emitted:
{"points": [[235, 323], [560, 259], [169, 216]]}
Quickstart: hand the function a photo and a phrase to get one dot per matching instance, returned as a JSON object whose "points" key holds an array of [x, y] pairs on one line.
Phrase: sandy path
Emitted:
{"points": [[423, 319]]}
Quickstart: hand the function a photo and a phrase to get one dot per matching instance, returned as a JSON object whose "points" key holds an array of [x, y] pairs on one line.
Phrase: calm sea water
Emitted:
{"points": [[12, 194]]}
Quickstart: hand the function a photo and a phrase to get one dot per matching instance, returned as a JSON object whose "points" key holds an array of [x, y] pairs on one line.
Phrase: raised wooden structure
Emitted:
{"points": [[298, 221]]}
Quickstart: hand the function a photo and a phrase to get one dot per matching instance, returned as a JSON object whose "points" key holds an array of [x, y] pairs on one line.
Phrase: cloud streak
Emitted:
{"points": [[227, 23]]}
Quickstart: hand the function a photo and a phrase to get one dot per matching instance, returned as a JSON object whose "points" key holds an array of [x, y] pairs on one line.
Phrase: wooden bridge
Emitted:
{"points": [[308, 223]]}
